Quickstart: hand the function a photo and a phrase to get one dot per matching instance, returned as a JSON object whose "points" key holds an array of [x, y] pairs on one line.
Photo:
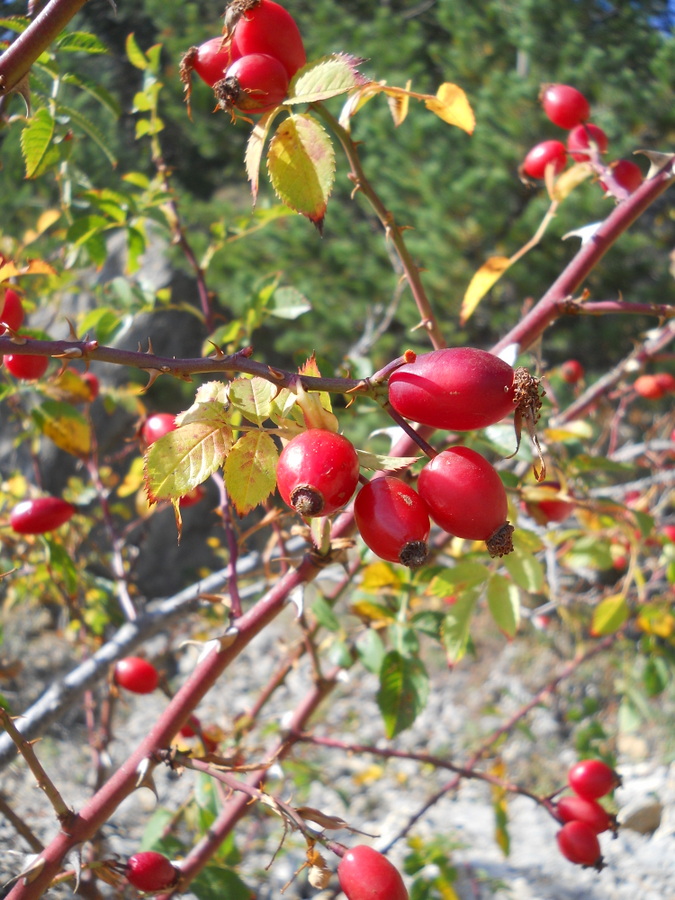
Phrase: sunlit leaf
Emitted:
{"points": [[65, 426], [487, 276], [456, 626], [301, 166], [253, 397], [254, 150], [452, 105], [324, 78], [134, 53], [375, 462], [609, 615], [379, 575], [80, 42], [288, 303], [526, 570], [570, 179], [250, 470], [503, 599], [35, 140]]}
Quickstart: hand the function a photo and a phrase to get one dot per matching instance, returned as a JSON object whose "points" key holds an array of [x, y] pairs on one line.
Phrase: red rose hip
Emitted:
{"points": [[317, 472], [365, 874], [150, 871], [571, 371], [12, 311], [40, 515], [627, 175], [26, 366], [579, 844], [564, 105], [542, 155], [579, 141], [457, 389], [544, 506], [466, 497], [255, 83], [579, 809], [592, 778], [393, 521], [156, 426], [212, 59], [136, 675], [266, 27]]}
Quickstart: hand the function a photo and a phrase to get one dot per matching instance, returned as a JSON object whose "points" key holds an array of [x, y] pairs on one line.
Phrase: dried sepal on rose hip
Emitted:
{"points": [[256, 83], [317, 472]]}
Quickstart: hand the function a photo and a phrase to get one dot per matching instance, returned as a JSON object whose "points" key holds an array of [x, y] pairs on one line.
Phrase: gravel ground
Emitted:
{"points": [[382, 797]]}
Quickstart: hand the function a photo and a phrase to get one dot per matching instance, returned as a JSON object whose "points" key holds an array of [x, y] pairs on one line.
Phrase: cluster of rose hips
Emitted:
{"points": [[456, 389], [583, 817], [250, 67], [654, 387], [568, 108]]}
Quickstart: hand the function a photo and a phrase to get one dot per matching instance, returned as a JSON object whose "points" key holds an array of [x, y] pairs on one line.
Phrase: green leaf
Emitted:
{"points": [[324, 614], [466, 574], [288, 303], [504, 603], [609, 615], [455, 629], [84, 228], [656, 676], [370, 649], [103, 322], [214, 883], [301, 166], [403, 693], [180, 460], [375, 462], [65, 426], [526, 571], [80, 41], [324, 78], [104, 97], [253, 397], [35, 140], [251, 470], [61, 564], [134, 53], [254, 150]]}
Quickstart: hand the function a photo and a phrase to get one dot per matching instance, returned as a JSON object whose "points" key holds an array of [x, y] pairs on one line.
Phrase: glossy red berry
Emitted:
{"points": [[665, 381], [191, 727], [627, 175], [571, 371], [156, 426], [195, 496], [365, 874], [317, 472], [542, 155], [255, 83], [543, 504], [649, 387], [136, 675], [40, 515], [12, 314], [150, 871], [579, 809], [579, 843], [26, 366], [213, 58], [269, 28], [564, 105], [466, 497], [592, 778], [393, 521], [457, 389], [579, 141]]}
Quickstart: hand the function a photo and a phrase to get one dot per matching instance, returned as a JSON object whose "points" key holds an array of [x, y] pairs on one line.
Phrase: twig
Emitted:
{"points": [[20, 826]]}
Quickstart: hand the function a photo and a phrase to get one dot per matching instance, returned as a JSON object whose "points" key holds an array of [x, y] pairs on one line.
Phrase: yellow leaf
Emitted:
{"points": [[451, 105], [46, 220], [370, 775], [379, 575], [609, 615], [133, 479], [398, 106], [372, 611], [65, 426], [250, 470], [570, 179], [488, 275]]}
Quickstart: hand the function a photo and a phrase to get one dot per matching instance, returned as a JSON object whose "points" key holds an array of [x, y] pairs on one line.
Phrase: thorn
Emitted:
{"points": [[153, 375], [150, 348], [145, 778], [219, 353], [71, 329]]}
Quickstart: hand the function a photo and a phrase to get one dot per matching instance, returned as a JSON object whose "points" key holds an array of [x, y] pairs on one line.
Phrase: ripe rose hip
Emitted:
{"points": [[136, 675], [93, 385], [579, 141], [579, 843], [393, 521], [571, 371], [317, 472], [466, 497], [665, 381], [40, 515], [579, 809], [12, 311], [544, 154], [195, 496], [564, 105], [543, 505], [26, 366], [156, 426], [627, 175], [254, 83], [150, 871], [592, 778], [649, 387], [267, 27], [365, 874], [457, 389], [212, 59]]}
